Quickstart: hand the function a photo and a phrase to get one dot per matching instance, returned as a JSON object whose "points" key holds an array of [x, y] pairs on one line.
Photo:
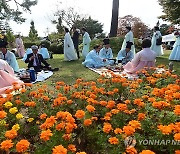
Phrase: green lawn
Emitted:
{"points": [[70, 71]]}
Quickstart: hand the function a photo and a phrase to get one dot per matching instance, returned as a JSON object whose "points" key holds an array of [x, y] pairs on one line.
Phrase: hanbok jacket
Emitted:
{"points": [[11, 60], [125, 56], [93, 60], [129, 38], [144, 58]]}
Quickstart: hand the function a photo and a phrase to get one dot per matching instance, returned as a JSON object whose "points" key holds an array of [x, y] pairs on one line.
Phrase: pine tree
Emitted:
{"points": [[33, 35]]}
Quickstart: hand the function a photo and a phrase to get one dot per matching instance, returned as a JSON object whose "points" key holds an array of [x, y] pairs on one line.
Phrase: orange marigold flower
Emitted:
{"points": [[6, 145], [81, 153], [2, 114], [177, 152], [59, 150], [22, 146], [107, 127], [60, 126], [118, 131], [90, 108], [87, 122], [11, 134], [128, 130], [45, 135], [135, 124], [103, 103], [43, 116], [147, 152], [127, 101], [110, 104], [113, 140], [177, 137], [94, 118], [30, 104], [131, 150], [141, 116], [165, 129], [139, 102], [18, 101], [66, 137], [72, 147], [177, 109], [80, 114], [121, 107]]}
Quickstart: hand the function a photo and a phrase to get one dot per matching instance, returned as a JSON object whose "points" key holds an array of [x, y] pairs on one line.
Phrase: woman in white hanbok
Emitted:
{"points": [[69, 51], [175, 54], [156, 48], [129, 38], [86, 42]]}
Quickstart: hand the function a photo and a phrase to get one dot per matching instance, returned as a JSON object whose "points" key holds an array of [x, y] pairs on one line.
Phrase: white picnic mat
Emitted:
{"points": [[107, 73], [43, 75]]}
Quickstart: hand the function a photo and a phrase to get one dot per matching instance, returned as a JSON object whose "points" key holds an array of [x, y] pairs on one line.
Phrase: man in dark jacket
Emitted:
{"points": [[35, 60], [75, 39]]}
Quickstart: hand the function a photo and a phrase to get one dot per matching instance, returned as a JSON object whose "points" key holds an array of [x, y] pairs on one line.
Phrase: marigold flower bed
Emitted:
{"points": [[109, 116]]}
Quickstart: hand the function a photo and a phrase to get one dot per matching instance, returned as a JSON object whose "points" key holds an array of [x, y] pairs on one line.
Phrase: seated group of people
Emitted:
{"points": [[9, 65], [131, 63]]}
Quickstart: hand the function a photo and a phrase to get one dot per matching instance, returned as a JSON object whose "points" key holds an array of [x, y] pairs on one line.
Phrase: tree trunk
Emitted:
{"points": [[114, 19]]}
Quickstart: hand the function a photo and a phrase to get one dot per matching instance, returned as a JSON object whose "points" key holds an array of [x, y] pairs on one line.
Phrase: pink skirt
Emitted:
{"points": [[7, 80], [130, 68]]}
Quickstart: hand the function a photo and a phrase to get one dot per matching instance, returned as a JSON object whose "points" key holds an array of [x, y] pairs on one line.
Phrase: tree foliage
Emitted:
{"points": [[7, 11], [166, 29], [171, 9], [92, 26], [33, 35], [138, 27], [69, 18]]}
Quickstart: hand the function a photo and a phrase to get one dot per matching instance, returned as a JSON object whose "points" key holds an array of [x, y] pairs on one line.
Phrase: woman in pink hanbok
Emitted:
{"points": [[20, 46], [7, 77], [145, 58]]}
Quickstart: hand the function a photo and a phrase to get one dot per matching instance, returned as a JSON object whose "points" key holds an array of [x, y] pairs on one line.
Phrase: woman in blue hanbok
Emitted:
{"points": [[44, 52], [28, 51], [156, 48], [8, 56], [125, 55], [69, 51], [175, 54], [86, 42], [93, 60], [106, 52], [129, 38]]}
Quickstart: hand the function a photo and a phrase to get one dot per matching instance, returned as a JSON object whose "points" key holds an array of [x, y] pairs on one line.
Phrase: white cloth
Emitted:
{"points": [[11, 60], [69, 51], [156, 48], [86, 44], [129, 38]]}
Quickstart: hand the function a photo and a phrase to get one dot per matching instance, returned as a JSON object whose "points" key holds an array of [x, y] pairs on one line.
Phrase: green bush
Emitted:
{"points": [[46, 43], [29, 44], [56, 48]]}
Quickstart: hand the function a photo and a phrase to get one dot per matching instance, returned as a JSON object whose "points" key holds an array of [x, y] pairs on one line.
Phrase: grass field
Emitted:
{"points": [[70, 71]]}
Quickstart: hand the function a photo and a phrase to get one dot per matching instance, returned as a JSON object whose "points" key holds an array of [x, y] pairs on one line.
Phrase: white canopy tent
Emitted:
{"points": [[168, 38]]}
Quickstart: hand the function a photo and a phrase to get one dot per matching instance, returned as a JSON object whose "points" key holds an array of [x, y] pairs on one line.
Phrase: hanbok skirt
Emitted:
{"points": [[85, 50], [131, 68], [175, 54], [70, 54], [7, 80]]}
